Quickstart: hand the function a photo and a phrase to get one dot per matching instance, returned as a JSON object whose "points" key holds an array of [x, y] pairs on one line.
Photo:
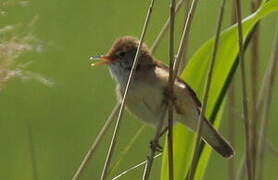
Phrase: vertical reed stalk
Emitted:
{"points": [[185, 34], [118, 123], [32, 153], [154, 144], [259, 105], [164, 29], [94, 146], [231, 123], [126, 149], [206, 92], [111, 117], [171, 90], [267, 102], [242, 168], [248, 147], [231, 120], [254, 79], [184, 52]]}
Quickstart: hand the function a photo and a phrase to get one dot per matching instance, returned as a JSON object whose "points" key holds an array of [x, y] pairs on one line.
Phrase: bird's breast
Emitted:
{"points": [[145, 101]]}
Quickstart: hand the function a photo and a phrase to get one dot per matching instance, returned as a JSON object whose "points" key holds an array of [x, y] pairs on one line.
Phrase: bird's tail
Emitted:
{"points": [[215, 140], [210, 135]]}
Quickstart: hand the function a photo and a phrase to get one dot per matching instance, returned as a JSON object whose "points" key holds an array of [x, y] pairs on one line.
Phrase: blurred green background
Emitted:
{"points": [[64, 119]]}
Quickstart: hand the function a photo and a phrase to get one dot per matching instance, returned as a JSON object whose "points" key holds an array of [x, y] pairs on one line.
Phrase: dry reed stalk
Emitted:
{"points": [[231, 120], [154, 144], [163, 30], [244, 94], [134, 167], [184, 52], [95, 144], [231, 129], [185, 34], [171, 91], [254, 63], [206, 91], [32, 153], [127, 148], [118, 123], [112, 115], [266, 110]]}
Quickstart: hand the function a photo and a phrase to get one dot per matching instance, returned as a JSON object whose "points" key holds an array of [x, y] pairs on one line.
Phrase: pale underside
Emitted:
{"points": [[147, 99], [148, 96]]}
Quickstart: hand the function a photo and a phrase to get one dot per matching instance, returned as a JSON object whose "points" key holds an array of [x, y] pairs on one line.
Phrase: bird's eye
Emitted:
{"points": [[122, 54]]}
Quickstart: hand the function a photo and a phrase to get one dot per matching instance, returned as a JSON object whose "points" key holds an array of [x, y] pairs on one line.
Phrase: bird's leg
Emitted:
{"points": [[163, 132], [155, 146]]}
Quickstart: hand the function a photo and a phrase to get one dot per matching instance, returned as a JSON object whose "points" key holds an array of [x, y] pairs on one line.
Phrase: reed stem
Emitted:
{"points": [[248, 147], [171, 90], [206, 92], [123, 102]]}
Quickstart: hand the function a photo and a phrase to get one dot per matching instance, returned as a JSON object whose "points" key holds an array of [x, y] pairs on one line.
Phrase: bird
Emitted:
{"points": [[148, 91]]}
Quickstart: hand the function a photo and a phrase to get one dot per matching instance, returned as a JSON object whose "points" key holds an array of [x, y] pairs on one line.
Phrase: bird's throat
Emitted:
{"points": [[119, 73]]}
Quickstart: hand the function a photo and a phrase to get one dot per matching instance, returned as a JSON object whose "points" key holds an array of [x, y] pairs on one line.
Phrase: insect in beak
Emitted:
{"points": [[104, 60]]}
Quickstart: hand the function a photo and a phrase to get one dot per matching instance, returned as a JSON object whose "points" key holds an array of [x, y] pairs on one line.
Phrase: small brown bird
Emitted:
{"points": [[148, 91]]}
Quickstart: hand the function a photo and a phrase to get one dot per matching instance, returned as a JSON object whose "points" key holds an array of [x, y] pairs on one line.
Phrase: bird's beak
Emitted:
{"points": [[105, 60]]}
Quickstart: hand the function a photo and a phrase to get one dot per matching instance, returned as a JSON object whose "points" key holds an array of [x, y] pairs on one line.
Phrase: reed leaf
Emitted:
{"points": [[195, 75]]}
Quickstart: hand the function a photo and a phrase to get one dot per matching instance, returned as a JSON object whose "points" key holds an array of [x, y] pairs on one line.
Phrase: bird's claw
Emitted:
{"points": [[155, 146]]}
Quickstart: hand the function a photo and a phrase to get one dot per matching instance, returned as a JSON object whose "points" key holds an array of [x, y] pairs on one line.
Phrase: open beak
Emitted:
{"points": [[104, 60]]}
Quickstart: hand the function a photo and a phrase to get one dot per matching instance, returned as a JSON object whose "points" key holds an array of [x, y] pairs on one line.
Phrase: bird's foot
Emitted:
{"points": [[155, 146]]}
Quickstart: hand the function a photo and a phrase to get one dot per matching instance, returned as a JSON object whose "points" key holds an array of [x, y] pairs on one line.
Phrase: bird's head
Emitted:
{"points": [[122, 53], [121, 56]]}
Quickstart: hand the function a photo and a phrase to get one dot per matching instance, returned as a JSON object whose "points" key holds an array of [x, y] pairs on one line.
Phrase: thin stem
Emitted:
{"points": [[231, 129], [185, 34], [259, 104], [154, 143], [222, 94], [268, 144], [231, 121], [94, 146], [271, 147], [164, 29], [123, 102], [171, 91], [253, 80], [157, 42], [267, 102], [206, 92], [244, 93], [134, 167], [32, 152], [241, 171], [127, 148], [184, 52]]}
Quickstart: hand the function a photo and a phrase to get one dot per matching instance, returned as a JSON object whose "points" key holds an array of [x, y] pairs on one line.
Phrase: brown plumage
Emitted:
{"points": [[147, 92]]}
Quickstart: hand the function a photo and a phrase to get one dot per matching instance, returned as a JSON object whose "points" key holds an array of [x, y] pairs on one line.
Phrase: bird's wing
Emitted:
{"points": [[185, 98], [187, 106]]}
